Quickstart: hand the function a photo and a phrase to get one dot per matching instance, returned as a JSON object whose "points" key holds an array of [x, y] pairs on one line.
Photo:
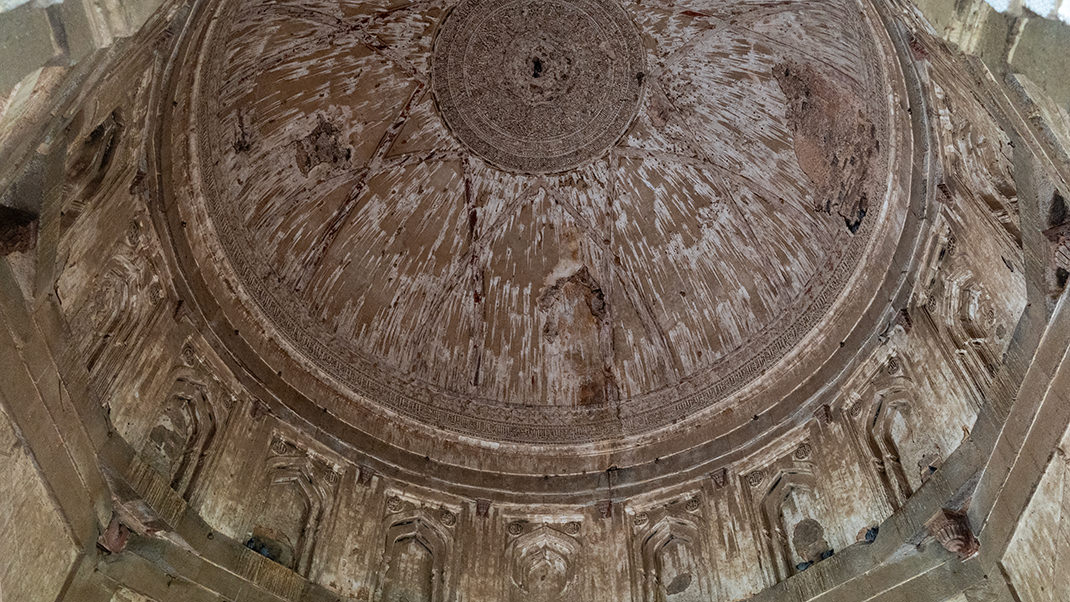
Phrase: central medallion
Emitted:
{"points": [[538, 86]]}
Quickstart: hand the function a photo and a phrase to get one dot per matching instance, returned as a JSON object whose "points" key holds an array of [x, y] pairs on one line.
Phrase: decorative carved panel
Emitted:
{"points": [[671, 553], [298, 497], [415, 554], [543, 564], [184, 430]]}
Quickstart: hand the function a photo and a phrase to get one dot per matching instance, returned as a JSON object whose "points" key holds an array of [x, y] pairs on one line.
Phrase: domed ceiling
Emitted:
{"points": [[544, 221]]}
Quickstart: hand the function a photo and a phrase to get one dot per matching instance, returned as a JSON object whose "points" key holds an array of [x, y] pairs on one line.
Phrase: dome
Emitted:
{"points": [[477, 233]]}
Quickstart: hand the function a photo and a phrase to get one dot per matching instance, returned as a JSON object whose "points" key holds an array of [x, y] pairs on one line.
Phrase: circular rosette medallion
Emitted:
{"points": [[538, 86]]}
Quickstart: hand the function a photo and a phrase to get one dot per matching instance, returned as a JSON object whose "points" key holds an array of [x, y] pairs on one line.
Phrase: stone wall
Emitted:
{"points": [[35, 36], [1016, 41], [40, 551], [1037, 560]]}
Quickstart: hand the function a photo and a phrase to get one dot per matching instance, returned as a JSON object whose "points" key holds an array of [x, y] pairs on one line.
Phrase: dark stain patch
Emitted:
{"points": [[243, 142], [138, 183], [592, 393], [679, 584], [596, 299], [94, 156], [18, 230], [835, 143], [1057, 213], [854, 225], [602, 386], [322, 145], [918, 49]]}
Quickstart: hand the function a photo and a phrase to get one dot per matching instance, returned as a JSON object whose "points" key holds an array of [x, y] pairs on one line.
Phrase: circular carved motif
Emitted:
{"points": [[189, 355], [156, 293], [641, 519], [803, 451], [756, 477], [515, 528], [280, 447], [448, 518], [133, 233], [572, 528], [692, 504], [894, 365], [856, 409], [538, 86], [394, 504]]}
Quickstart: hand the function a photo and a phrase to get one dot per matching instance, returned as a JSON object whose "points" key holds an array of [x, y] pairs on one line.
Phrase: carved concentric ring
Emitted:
{"points": [[538, 86]]}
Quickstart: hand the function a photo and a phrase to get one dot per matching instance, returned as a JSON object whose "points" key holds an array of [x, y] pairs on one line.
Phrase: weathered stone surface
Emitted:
{"points": [[26, 44], [38, 559], [1036, 558]]}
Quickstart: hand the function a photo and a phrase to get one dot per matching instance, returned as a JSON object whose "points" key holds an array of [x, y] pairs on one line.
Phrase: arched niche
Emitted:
{"points": [[889, 434], [790, 499], [542, 565], [297, 497], [967, 313], [90, 160], [107, 318], [674, 565], [182, 433], [415, 553]]}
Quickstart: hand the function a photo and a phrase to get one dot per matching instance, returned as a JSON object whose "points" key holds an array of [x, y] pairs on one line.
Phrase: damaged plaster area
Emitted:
{"points": [[576, 305], [835, 142], [323, 145]]}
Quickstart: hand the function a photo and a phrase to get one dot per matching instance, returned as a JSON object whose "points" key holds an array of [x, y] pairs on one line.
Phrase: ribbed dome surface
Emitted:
{"points": [[543, 221]]}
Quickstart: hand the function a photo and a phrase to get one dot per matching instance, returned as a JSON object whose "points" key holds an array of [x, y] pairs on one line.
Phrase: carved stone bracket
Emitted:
{"points": [[952, 529], [720, 478], [823, 414], [365, 476], [113, 539]]}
